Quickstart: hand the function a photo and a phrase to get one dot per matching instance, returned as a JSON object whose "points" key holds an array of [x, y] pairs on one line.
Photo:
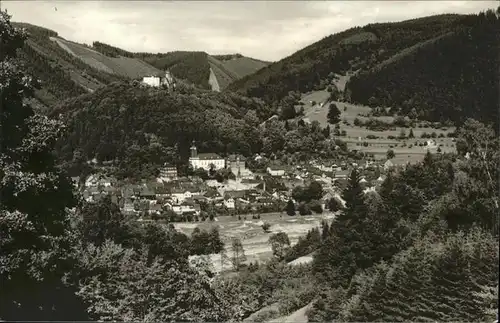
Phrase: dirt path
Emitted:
{"points": [[298, 316]]}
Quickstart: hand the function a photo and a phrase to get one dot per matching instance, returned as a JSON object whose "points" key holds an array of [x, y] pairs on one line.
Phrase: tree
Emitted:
{"points": [[390, 154], [288, 112], [315, 206], [101, 221], [135, 288], [387, 186], [333, 114], [212, 171], [411, 135], [238, 253], [35, 232], [315, 191], [280, 243], [402, 134], [266, 227], [350, 236], [290, 208], [326, 132], [304, 209], [201, 173], [334, 205]]}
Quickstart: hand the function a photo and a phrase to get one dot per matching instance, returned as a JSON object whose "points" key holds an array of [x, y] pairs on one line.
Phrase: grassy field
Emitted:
{"points": [[128, 67], [253, 237], [355, 136]]}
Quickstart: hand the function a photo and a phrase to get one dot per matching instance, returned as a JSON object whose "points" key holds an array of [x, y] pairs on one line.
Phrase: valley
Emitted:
{"points": [[351, 181]]}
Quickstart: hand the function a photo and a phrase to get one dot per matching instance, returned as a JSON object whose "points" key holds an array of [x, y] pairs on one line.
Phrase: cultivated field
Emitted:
{"points": [[253, 237], [128, 67], [356, 136]]}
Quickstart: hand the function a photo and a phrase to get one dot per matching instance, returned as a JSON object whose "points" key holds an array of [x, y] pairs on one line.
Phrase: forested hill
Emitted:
{"points": [[452, 78], [142, 127], [199, 67], [61, 74], [433, 65], [67, 69], [195, 67]]}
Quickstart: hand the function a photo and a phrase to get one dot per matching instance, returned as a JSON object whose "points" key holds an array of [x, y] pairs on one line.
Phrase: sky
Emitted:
{"points": [[267, 30]]}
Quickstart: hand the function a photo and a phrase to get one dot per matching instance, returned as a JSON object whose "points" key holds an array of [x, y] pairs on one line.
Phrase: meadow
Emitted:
{"points": [[406, 150], [254, 239]]}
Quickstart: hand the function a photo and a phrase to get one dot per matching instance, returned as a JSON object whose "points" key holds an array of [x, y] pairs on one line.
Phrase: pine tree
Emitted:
{"points": [[387, 186], [333, 114], [326, 132], [347, 248], [411, 135], [353, 195], [290, 208]]}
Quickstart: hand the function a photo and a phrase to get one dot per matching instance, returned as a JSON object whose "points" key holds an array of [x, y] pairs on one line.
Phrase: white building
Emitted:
{"points": [[152, 80], [276, 171], [229, 203], [168, 173], [158, 80], [179, 196], [206, 160], [182, 208]]}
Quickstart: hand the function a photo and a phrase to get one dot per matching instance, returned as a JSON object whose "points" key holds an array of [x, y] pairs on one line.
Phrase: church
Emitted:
{"points": [[205, 160]]}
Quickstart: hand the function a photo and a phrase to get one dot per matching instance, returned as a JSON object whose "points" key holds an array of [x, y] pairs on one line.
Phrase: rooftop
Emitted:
{"points": [[209, 156]]}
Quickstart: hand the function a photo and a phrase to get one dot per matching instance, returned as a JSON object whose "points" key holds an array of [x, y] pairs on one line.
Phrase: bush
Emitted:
{"points": [[266, 315], [304, 209], [334, 205], [266, 226], [315, 206]]}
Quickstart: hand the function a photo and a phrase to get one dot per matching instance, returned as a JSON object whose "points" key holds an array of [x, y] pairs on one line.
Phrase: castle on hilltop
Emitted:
{"points": [[160, 79]]}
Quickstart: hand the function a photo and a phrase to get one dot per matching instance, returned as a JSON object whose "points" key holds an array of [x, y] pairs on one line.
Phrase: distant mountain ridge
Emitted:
{"points": [[440, 68]]}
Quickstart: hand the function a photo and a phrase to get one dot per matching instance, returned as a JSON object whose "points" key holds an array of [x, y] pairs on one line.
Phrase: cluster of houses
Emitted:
{"points": [[188, 196]]}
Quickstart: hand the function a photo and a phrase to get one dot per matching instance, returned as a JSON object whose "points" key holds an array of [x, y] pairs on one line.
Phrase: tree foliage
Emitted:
{"points": [[434, 64], [34, 198]]}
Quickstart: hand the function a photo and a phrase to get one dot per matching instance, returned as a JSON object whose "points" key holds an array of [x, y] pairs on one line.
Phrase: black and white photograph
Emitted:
{"points": [[249, 161]]}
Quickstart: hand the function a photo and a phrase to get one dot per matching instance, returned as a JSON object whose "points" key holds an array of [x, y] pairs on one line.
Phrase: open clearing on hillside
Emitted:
{"points": [[124, 66], [228, 71], [407, 150], [254, 239]]}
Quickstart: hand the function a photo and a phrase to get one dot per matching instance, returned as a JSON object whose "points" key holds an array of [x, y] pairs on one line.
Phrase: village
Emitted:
{"points": [[192, 199]]}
